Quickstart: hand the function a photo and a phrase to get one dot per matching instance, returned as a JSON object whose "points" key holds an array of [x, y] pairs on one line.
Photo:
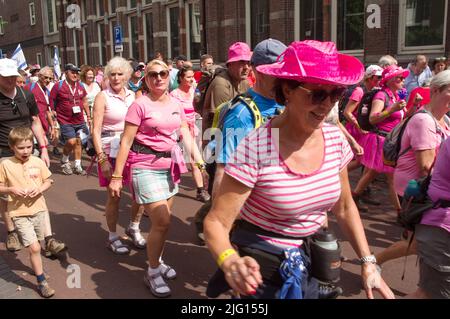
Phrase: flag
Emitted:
{"points": [[19, 57], [56, 67]]}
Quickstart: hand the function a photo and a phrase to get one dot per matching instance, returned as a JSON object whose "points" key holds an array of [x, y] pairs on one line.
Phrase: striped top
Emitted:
{"points": [[282, 201]]}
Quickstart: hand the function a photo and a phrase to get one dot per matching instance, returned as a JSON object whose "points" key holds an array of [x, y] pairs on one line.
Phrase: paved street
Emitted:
{"points": [[77, 204]]}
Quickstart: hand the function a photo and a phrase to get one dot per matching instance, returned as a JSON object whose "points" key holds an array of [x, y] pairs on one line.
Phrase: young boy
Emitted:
{"points": [[24, 178]]}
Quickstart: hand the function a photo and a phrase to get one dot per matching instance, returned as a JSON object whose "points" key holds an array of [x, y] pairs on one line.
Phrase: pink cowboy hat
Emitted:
{"points": [[393, 71], [239, 51], [315, 62]]}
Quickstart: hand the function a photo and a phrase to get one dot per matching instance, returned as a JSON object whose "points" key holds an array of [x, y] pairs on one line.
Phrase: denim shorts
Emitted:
{"points": [[71, 131]]}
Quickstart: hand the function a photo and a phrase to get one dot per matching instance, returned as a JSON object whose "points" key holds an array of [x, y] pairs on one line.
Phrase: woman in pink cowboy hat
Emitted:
{"points": [[387, 111], [283, 179]]}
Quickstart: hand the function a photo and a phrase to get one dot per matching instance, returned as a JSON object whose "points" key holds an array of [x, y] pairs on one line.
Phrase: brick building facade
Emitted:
{"points": [[364, 28]]}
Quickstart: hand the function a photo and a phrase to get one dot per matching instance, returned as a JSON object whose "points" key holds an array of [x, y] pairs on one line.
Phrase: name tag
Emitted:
{"points": [[114, 147], [76, 109]]}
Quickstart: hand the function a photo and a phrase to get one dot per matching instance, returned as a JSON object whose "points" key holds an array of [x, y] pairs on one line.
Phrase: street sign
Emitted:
{"points": [[118, 35], [118, 48]]}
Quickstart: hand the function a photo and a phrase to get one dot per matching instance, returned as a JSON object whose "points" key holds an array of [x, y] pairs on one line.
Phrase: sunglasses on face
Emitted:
{"points": [[319, 96], [163, 74], [400, 78], [47, 78]]}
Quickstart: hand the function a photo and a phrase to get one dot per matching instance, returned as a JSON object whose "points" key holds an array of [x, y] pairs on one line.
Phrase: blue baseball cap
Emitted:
{"points": [[267, 52]]}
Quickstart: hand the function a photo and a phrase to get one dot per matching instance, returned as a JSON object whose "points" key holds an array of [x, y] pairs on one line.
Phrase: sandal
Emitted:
{"points": [[138, 241], [166, 271], [117, 247], [157, 285]]}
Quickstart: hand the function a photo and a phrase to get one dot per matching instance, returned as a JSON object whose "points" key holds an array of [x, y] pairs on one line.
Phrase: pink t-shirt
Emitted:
{"points": [[440, 189], [158, 127], [420, 133], [357, 94], [282, 201], [116, 108], [187, 101], [390, 122]]}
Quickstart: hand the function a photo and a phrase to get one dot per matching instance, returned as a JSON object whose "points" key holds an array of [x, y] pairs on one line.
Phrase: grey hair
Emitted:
{"points": [[440, 80], [387, 60], [45, 69], [121, 64]]}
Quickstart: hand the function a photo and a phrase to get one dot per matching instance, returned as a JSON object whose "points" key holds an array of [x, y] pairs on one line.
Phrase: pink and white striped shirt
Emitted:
{"points": [[282, 201]]}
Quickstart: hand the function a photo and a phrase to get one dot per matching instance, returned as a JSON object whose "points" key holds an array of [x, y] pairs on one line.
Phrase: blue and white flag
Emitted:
{"points": [[56, 67], [19, 57]]}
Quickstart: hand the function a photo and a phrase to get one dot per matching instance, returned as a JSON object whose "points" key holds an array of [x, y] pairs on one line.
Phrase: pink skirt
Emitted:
{"points": [[373, 153], [354, 132]]}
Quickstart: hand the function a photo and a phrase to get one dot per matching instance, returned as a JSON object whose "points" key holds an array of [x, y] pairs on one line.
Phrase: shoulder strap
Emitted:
{"points": [[23, 94], [60, 83], [32, 86]]}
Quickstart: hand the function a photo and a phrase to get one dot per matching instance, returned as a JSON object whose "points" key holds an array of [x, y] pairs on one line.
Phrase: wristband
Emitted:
{"points": [[43, 146], [116, 176], [201, 165], [385, 113], [224, 255]]}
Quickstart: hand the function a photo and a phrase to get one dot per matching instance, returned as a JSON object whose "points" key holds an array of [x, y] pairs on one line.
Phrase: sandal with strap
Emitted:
{"points": [[157, 285], [117, 247], [138, 241], [166, 271]]}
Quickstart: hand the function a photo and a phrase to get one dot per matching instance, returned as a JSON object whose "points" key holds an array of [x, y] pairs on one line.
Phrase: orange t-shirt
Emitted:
{"points": [[28, 175]]}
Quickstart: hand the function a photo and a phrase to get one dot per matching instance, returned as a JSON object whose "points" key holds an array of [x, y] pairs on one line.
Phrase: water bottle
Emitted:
{"points": [[364, 109], [413, 189], [325, 257]]}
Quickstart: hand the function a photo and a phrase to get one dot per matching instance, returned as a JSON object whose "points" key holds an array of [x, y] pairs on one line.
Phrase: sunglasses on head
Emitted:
{"points": [[163, 74], [319, 96], [441, 59]]}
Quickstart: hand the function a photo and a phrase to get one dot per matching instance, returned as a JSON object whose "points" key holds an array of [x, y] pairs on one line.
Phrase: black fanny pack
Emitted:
{"points": [[143, 149]]}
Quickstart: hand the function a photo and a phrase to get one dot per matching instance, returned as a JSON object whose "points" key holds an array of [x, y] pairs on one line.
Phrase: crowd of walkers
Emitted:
{"points": [[269, 138]]}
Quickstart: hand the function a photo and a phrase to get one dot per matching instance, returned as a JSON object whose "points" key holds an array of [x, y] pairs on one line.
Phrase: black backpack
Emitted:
{"points": [[203, 84], [365, 107], [344, 101]]}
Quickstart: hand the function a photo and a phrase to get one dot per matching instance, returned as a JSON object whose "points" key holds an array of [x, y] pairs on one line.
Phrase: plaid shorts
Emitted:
{"points": [[150, 186]]}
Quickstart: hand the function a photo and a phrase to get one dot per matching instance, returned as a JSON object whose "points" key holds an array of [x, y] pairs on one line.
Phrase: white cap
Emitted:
{"points": [[8, 67], [373, 70]]}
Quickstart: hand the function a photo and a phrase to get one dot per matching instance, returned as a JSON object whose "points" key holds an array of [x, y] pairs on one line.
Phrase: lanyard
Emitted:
{"points": [[46, 94], [72, 91]]}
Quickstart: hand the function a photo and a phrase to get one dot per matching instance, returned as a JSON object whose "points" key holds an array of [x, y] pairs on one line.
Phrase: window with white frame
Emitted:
{"points": [[147, 2], [32, 13], [39, 58], [315, 17], [350, 25], [51, 17], [83, 10], [174, 31], [112, 6], [100, 8], [132, 4], [102, 43], [2, 29], [134, 36], [259, 17], [194, 36], [148, 36], [423, 24]]}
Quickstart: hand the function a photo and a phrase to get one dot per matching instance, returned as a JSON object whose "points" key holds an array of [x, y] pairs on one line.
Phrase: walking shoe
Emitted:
{"points": [[53, 247], [45, 290], [136, 237], [79, 170], [66, 168], [157, 285], [359, 204], [13, 242], [203, 196], [368, 199], [329, 291]]}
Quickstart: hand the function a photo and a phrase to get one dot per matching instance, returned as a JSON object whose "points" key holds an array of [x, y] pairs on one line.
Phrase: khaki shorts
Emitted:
{"points": [[30, 228]]}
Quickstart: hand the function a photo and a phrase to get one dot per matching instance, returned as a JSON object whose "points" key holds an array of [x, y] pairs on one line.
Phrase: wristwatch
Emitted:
{"points": [[368, 259]]}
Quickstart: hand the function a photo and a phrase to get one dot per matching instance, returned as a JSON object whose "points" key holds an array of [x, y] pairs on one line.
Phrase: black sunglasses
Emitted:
{"points": [[319, 96], [163, 74], [441, 59], [15, 108]]}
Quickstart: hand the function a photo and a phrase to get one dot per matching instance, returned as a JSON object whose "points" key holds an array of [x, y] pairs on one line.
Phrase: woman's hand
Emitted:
{"points": [[372, 280], [242, 274], [418, 99], [115, 187], [106, 169], [398, 106], [356, 148]]}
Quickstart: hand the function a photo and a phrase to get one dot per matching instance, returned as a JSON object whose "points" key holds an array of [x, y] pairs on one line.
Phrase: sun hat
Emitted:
{"points": [[372, 70], [316, 62], [71, 67], [8, 67], [267, 52], [239, 51], [391, 72]]}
